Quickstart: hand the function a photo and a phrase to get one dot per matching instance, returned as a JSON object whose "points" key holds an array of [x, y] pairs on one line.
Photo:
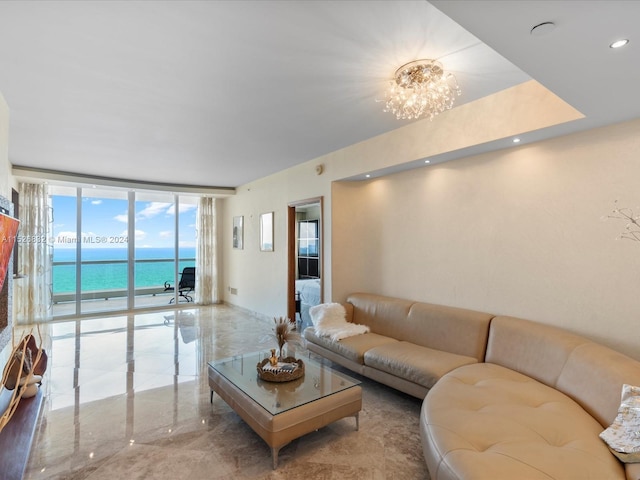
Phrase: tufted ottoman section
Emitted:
{"points": [[484, 421]]}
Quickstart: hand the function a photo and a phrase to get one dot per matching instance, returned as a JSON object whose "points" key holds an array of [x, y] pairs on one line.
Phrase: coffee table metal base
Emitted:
{"points": [[278, 430]]}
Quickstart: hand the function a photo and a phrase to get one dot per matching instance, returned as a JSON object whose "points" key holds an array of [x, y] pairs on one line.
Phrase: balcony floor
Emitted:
{"points": [[114, 304]]}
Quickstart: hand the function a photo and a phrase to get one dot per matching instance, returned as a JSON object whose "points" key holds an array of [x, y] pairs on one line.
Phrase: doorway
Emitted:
{"points": [[304, 253]]}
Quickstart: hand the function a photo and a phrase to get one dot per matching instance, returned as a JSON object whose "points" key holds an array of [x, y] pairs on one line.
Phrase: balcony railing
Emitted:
{"points": [[107, 293]]}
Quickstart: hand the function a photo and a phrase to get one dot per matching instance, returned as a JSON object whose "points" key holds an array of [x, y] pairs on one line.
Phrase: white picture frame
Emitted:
{"points": [[266, 232], [238, 232]]}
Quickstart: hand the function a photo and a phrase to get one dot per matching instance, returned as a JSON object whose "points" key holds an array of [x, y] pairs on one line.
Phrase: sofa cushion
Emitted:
{"points": [[485, 421], [381, 314], [452, 329], [352, 348], [593, 376], [633, 471], [455, 330], [421, 365], [537, 350]]}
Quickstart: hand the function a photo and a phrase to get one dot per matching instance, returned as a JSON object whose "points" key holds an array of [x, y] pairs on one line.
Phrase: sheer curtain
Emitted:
{"points": [[33, 291], [206, 256]]}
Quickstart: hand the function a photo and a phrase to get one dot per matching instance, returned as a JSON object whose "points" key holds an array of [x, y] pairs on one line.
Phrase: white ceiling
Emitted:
{"points": [[221, 93]]}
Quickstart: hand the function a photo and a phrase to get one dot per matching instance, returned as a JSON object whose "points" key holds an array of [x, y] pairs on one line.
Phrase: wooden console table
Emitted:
{"points": [[17, 436]]}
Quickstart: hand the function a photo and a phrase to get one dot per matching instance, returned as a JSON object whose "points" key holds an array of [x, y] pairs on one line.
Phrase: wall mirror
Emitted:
{"points": [[266, 232], [304, 252], [238, 232]]}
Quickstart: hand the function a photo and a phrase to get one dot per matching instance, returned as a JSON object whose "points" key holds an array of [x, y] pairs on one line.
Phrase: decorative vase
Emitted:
{"points": [[273, 360]]}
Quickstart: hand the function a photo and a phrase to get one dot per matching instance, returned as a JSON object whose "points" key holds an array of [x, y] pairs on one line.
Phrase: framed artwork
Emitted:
{"points": [[8, 230], [266, 232], [238, 232]]}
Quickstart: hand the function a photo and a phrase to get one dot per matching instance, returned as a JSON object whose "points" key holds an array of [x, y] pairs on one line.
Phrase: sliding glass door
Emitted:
{"points": [[187, 231], [154, 252], [65, 250], [104, 255], [116, 250]]}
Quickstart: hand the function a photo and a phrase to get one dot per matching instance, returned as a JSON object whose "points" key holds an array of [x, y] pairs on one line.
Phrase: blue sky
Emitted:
{"points": [[104, 223]]}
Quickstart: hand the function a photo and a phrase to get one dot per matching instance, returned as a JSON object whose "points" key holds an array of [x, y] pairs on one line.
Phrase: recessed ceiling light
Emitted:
{"points": [[619, 43], [427, 161], [516, 140], [367, 176]]}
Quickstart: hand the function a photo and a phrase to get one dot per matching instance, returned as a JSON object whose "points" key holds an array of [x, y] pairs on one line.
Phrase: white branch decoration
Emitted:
{"points": [[632, 228]]}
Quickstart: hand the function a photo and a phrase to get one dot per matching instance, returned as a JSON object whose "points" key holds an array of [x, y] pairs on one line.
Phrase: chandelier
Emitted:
{"points": [[420, 88]]}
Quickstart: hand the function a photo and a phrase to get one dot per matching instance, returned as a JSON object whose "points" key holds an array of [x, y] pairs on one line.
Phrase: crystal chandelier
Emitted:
{"points": [[420, 88]]}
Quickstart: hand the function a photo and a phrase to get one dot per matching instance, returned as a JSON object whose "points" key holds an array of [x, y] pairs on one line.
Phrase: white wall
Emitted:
{"points": [[516, 232], [261, 277], [5, 167]]}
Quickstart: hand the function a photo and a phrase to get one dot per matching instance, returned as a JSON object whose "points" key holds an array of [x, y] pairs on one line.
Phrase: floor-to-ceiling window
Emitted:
{"points": [[188, 209], [116, 250], [65, 249], [154, 252], [104, 256], [164, 232]]}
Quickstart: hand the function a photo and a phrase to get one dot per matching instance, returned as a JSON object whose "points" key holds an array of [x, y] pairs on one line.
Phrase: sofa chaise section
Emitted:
{"points": [[534, 409]]}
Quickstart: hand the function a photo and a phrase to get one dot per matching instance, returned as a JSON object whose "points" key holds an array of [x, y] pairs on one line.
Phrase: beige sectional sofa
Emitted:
{"points": [[504, 398]]}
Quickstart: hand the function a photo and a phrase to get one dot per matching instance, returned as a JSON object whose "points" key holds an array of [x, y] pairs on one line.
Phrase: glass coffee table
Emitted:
{"points": [[282, 411]]}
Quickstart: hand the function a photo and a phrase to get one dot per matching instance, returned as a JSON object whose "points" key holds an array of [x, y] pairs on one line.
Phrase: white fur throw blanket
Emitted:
{"points": [[329, 320]]}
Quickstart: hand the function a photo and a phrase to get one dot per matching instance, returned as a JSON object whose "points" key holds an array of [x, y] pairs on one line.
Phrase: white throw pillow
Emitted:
{"points": [[623, 435]]}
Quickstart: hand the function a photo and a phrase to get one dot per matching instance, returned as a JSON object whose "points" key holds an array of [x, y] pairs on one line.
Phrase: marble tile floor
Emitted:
{"points": [[127, 397]]}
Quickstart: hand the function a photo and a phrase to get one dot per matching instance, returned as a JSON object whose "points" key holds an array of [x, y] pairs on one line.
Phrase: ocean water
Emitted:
{"points": [[107, 275]]}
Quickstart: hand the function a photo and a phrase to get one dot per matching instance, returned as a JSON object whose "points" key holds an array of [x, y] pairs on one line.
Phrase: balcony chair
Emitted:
{"points": [[185, 286]]}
